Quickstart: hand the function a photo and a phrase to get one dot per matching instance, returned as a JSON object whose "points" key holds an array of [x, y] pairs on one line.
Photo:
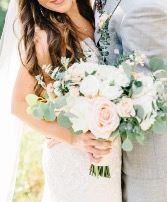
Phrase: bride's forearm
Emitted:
{"points": [[48, 129]]}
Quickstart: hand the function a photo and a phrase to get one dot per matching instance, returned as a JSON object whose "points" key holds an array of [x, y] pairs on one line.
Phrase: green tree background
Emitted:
{"points": [[30, 179], [3, 9]]}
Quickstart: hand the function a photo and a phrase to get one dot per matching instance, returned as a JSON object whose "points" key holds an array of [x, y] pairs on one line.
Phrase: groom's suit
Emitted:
{"points": [[141, 25]]}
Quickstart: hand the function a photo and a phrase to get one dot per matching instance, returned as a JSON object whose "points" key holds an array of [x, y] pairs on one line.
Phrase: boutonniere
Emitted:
{"points": [[100, 4], [103, 42], [104, 20]]}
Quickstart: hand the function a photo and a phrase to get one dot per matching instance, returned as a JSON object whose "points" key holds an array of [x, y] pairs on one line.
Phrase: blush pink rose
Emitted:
{"points": [[104, 118], [74, 91], [125, 107]]}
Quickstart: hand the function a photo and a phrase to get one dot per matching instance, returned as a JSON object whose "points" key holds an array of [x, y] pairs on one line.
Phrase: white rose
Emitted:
{"points": [[148, 86], [105, 73], [90, 67], [120, 78], [146, 102], [89, 86], [76, 70], [125, 107], [104, 17], [159, 87], [81, 109], [110, 92], [79, 69], [148, 122]]}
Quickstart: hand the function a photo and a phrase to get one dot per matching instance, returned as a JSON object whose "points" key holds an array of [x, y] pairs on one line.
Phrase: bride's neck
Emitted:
{"points": [[74, 13]]}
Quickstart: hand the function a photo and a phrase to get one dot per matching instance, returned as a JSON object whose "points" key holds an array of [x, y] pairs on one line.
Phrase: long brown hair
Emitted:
{"points": [[61, 33]]}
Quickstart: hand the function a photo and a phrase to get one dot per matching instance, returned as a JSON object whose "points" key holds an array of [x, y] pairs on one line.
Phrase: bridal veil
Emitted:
{"points": [[10, 126]]}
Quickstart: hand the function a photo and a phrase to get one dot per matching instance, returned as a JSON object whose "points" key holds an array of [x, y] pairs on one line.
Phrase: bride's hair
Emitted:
{"points": [[61, 33]]}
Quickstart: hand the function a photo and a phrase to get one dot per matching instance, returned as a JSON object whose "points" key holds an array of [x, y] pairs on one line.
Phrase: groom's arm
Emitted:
{"points": [[145, 29]]}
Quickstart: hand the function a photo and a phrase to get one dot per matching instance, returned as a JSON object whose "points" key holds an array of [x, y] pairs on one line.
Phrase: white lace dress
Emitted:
{"points": [[66, 169]]}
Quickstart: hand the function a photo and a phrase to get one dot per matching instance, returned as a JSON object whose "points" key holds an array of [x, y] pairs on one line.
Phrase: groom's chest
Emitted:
{"points": [[118, 9], [112, 7]]}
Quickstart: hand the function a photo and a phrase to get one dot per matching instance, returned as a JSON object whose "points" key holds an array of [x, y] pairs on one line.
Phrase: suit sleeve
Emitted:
{"points": [[145, 29]]}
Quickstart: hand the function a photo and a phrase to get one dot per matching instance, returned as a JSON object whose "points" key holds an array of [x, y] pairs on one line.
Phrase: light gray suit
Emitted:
{"points": [[141, 25]]}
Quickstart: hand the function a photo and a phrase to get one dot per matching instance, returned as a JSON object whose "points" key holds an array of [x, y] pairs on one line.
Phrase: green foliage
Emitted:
{"points": [[49, 113], [140, 139], [160, 126], [3, 9], [75, 133], [60, 102], [127, 145], [30, 178], [137, 87], [64, 121], [86, 74], [157, 64], [31, 99], [38, 113], [139, 111], [29, 110], [127, 69], [100, 140]]}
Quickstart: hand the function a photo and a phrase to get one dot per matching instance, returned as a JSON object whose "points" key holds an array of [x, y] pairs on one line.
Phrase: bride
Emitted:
{"points": [[50, 30]]}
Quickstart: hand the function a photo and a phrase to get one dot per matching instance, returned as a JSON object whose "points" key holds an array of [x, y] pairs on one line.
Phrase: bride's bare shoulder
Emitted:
{"points": [[41, 46]]}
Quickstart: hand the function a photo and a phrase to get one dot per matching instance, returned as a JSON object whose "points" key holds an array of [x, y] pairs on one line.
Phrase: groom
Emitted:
{"points": [[140, 25]]}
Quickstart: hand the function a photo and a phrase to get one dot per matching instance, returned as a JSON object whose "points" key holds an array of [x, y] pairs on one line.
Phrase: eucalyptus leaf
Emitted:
{"points": [[93, 73], [70, 115], [46, 96], [64, 121], [127, 145], [60, 102], [44, 106], [86, 74], [61, 75], [29, 110], [130, 135], [127, 69], [136, 90], [75, 133], [139, 111], [140, 139], [164, 118], [160, 127], [100, 140], [32, 99], [49, 114], [38, 113], [157, 64]]}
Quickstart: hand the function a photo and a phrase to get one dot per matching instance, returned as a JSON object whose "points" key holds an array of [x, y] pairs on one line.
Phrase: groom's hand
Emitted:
{"points": [[87, 143]]}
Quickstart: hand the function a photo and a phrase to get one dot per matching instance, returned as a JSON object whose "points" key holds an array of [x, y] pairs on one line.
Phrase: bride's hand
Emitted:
{"points": [[87, 143]]}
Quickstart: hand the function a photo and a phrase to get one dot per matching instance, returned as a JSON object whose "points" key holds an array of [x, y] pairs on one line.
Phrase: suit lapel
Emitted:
{"points": [[110, 7], [110, 4]]}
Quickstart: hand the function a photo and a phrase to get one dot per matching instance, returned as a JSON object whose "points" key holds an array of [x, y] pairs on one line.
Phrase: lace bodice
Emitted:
{"points": [[90, 50]]}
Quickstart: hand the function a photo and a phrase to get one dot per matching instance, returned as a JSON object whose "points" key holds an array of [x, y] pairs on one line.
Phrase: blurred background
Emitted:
{"points": [[30, 179], [3, 8]]}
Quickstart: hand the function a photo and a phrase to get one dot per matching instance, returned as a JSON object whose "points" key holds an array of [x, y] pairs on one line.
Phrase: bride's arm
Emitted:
{"points": [[86, 142], [25, 85]]}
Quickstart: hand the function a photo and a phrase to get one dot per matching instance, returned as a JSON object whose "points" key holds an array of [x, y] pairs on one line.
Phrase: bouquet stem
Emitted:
{"points": [[100, 171]]}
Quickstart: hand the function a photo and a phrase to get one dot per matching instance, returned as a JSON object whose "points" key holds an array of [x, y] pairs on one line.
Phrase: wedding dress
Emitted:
{"points": [[66, 169]]}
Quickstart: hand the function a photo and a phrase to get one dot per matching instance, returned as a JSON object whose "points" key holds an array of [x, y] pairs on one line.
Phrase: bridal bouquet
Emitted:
{"points": [[109, 101]]}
